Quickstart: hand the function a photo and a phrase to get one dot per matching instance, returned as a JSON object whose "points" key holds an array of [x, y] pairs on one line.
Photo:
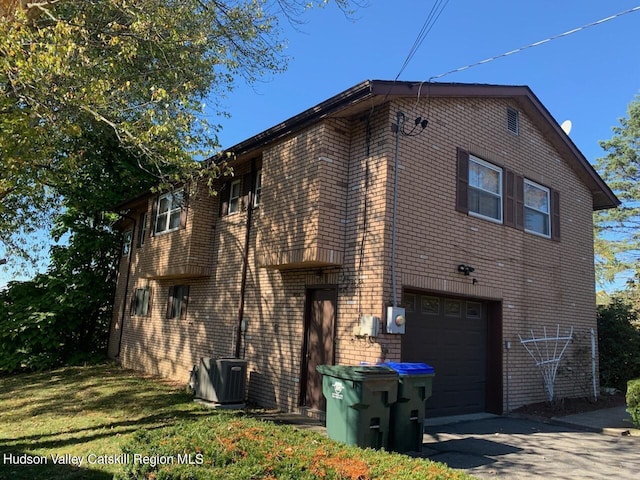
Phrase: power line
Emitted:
{"points": [[433, 16], [536, 44]]}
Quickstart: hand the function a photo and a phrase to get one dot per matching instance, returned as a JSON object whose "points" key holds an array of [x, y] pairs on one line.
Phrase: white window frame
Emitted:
{"points": [[528, 207], [499, 195], [257, 194], [234, 197], [174, 209], [142, 232], [127, 239]]}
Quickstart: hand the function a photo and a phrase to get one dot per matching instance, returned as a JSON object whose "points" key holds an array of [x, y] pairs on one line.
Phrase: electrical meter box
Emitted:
{"points": [[369, 326], [396, 319]]}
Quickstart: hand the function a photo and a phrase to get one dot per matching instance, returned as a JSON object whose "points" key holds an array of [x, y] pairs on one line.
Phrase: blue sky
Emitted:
{"points": [[588, 77]]}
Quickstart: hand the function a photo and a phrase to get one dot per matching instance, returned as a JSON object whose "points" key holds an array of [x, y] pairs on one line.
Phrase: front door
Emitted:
{"points": [[318, 343]]}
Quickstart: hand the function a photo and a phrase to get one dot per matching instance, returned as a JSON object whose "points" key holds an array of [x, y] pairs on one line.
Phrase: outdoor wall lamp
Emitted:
{"points": [[466, 269]]}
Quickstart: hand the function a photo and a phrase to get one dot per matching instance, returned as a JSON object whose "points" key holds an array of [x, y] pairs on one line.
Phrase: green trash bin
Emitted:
{"points": [[358, 401], [407, 414]]}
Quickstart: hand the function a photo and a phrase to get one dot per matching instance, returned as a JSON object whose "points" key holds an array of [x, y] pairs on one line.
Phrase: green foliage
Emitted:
{"points": [[618, 343], [232, 446], [61, 316], [633, 400], [617, 231]]}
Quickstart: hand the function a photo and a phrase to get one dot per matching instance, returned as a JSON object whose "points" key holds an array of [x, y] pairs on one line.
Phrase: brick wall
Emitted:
{"points": [[329, 189]]}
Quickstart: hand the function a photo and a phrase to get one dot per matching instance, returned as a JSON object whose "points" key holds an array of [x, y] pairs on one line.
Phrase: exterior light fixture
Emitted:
{"points": [[466, 269]]}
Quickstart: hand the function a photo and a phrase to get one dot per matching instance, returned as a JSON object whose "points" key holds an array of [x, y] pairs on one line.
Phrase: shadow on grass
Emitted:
{"points": [[12, 469]]}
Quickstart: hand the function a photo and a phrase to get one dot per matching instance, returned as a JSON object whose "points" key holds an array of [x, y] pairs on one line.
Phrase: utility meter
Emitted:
{"points": [[396, 319]]}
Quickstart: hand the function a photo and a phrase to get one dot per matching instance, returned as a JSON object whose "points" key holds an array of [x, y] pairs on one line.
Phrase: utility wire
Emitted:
{"points": [[436, 10], [536, 44]]}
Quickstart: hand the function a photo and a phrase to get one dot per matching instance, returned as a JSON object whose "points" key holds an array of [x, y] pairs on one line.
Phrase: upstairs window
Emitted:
{"points": [[257, 194], [234, 197], [485, 189], [126, 243], [169, 213], [142, 232], [537, 202]]}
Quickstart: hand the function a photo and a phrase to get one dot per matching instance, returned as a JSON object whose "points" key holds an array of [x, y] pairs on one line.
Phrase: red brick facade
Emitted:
{"points": [[325, 218]]}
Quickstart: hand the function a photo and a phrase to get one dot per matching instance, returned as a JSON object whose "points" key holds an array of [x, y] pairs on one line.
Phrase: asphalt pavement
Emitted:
{"points": [[592, 445]]}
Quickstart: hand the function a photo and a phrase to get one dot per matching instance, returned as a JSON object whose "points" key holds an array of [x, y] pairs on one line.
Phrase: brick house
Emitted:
{"points": [[478, 224]]}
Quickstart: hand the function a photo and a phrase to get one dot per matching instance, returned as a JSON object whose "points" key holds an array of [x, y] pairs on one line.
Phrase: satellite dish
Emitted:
{"points": [[566, 126]]}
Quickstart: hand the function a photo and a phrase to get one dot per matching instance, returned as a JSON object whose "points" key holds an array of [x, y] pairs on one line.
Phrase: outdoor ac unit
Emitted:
{"points": [[222, 380]]}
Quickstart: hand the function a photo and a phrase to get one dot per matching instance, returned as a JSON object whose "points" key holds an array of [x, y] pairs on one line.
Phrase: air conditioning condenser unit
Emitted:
{"points": [[222, 380]]}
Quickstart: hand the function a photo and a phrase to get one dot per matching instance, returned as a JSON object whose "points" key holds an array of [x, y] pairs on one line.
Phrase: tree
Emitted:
{"points": [[141, 68], [618, 344], [618, 231]]}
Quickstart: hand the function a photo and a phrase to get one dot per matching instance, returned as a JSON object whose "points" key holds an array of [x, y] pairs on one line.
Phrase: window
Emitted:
{"points": [[485, 189], [536, 209], [513, 124], [126, 243], [234, 197], [140, 302], [501, 195], [142, 233], [177, 301], [257, 195], [169, 211]]}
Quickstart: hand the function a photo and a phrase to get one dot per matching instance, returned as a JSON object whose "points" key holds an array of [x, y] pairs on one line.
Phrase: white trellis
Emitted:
{"points": [[547, 352]]}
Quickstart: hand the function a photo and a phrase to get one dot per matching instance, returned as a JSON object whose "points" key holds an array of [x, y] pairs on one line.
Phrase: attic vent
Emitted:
{"points": [[512, 120]]}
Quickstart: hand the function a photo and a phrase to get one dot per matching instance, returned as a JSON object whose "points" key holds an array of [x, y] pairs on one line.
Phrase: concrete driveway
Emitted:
{"points": [[507, 447]]}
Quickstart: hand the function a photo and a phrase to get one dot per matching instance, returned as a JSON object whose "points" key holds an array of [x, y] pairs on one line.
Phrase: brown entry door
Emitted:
{"points": [[318, 343]]}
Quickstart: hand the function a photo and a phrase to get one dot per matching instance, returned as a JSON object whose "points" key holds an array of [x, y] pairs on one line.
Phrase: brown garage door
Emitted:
{"points": [[450, 334]]}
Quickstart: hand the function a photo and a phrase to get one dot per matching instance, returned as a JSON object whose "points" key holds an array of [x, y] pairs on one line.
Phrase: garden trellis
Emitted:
{"points": [[547, 352]]}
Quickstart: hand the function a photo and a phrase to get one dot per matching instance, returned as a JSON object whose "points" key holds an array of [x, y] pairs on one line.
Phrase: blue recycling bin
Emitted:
{"points": [[407, 413]]}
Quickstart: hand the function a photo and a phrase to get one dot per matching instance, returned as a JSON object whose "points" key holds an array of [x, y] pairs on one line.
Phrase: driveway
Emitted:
{"points": [[508, 447]]}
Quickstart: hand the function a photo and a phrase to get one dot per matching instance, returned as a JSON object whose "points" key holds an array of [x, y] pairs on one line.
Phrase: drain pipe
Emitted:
{"points": [[400, 120], [245, 261], [126, 284], [593, 364]]}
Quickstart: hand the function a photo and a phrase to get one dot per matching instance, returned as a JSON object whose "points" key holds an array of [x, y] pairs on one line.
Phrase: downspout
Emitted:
{"points": [[400, 120], [245, 262], [126, 284]]}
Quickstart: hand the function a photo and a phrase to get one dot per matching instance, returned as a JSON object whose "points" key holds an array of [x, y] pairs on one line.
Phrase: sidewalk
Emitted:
{"points": [[612, 421]]}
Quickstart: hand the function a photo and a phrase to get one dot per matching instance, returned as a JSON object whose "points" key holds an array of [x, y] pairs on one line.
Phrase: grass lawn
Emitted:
{"points": [[102, 411]]}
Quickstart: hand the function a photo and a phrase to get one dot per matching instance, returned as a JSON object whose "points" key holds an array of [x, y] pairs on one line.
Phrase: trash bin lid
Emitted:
{"points": [[408, 368], [357, 372]]}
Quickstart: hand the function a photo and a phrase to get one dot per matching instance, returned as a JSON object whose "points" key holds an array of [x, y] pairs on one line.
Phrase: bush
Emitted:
{"points": [[619, 344], [232, 446], [633, 400]]}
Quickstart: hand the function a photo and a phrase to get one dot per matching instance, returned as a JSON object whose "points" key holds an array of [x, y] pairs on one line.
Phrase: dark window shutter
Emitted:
{"points": [[149, 297], [170, 299], [462, 180], [154, 214], [184, 302], [519, 189], [185, 207], [247, 190], [509, 188], [555, 215], [132, 307]]}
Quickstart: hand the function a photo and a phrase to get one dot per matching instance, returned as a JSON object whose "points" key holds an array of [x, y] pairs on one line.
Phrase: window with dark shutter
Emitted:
{"points": [[141, 301], [537, 209], [177, 301]]}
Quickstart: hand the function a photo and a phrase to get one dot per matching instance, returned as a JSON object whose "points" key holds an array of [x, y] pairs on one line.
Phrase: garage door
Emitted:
{"points": [[450, 334]]}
